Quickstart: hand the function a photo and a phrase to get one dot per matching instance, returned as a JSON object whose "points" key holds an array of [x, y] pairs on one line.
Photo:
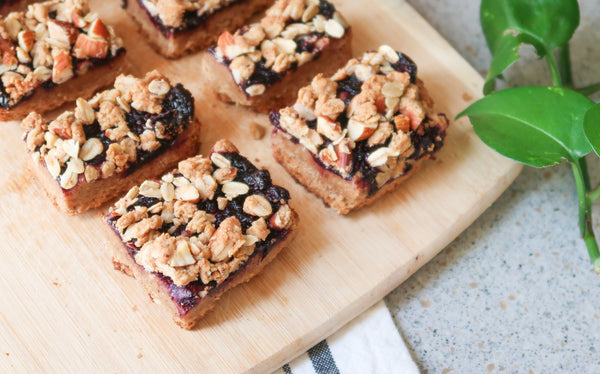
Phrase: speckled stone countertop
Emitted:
{"points": [[514, 293]]}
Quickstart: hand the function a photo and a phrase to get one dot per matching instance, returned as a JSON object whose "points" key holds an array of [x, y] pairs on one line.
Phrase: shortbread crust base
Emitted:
{"points": [[283, 93], [178, 44]]}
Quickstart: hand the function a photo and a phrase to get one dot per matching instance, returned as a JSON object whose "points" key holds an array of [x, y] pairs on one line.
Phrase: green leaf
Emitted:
{"points": [[538, 126], [545, 24], [591, 126], [507, 53]]}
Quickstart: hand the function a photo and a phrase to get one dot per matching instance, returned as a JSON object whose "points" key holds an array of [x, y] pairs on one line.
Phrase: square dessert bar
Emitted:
{"points": [[200, 230], [264, 64], [175, 27], [352, 137], [118, 138], [49, 53]]}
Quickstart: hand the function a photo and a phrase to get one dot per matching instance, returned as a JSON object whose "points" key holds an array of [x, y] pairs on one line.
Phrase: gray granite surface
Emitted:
{"points": [[514, 293]]}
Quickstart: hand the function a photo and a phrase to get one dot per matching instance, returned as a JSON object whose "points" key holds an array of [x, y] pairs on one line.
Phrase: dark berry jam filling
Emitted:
{"points": [[186, 297], [190, 21]]}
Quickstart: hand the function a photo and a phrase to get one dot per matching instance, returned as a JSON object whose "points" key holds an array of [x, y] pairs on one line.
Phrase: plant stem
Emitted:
{"points": [[594, 195], [585, 216], [588, 90], [564, 65], [553, 69]]}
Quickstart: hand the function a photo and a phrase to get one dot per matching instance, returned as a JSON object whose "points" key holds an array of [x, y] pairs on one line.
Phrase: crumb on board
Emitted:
{"points": [[256, 131]]}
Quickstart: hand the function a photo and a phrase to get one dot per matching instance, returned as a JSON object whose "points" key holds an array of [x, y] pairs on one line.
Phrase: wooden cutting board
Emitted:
{"points": [[65, 309]]}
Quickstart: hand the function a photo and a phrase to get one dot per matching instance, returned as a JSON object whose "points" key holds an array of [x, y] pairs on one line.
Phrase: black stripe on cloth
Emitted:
{"points": [[286, 369], [322, 360]]}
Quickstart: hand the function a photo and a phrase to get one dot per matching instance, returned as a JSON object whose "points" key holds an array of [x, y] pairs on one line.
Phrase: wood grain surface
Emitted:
{"points": [[64, 309]]}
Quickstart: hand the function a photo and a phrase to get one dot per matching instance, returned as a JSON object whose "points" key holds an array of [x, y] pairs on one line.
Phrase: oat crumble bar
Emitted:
{"points": [[199, 230], [47, 52], [263, 65], [353, 136], [116, 139], [178, 27]]}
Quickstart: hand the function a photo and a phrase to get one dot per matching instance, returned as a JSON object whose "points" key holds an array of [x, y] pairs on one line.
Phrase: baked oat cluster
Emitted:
{"points": [[292, 33], [173, 13], [372, 118], [49, 44], [113, 131], [203, 220]]}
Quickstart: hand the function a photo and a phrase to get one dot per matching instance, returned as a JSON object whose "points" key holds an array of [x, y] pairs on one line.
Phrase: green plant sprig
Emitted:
{"points": [[539, 126]]}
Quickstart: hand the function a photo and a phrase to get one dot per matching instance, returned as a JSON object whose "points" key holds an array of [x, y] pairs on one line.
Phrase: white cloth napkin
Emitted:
{"points": [[368, 344]]}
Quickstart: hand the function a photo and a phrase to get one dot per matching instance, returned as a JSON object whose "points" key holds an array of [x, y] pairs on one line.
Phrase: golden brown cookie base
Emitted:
{"points": [[181, 43], [81, 86], [159, 293], [283, 93], [86, 196], [336, 192]]}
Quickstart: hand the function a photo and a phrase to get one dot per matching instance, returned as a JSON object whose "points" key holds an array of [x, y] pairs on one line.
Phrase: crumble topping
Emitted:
{"points": [[172, 12], [371, 118], [111, 132], [186, 235], [49, 44], [292, 33]]}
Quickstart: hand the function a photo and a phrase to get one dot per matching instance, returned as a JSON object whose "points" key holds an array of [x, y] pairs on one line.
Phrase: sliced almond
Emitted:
{"points": [[379, 157], [91, 173], [255, 89], [234, 189], [392, 89], [85, 111], [389, 53], [180, 181], [305, 112], [187, 193], [285, 45], [52, 164], [328, 128], [62, 69], [334, 29], [168, 191], [68, 180], [159, 87], [98, 30], [309, 13], [64, 33], [86, 47], [150, 189], [220, 161], [132, 193], [42, 74], [182, 255], [282, 219], [26, 39], [90, 149], [12, 26], [257, 205], [359, 130], [71, 147]]}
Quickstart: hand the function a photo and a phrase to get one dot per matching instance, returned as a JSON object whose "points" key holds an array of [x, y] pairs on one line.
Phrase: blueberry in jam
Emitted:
{"points": [[326, 9], [179, 102], [405, 64], [348, 88], [261, 75]]}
